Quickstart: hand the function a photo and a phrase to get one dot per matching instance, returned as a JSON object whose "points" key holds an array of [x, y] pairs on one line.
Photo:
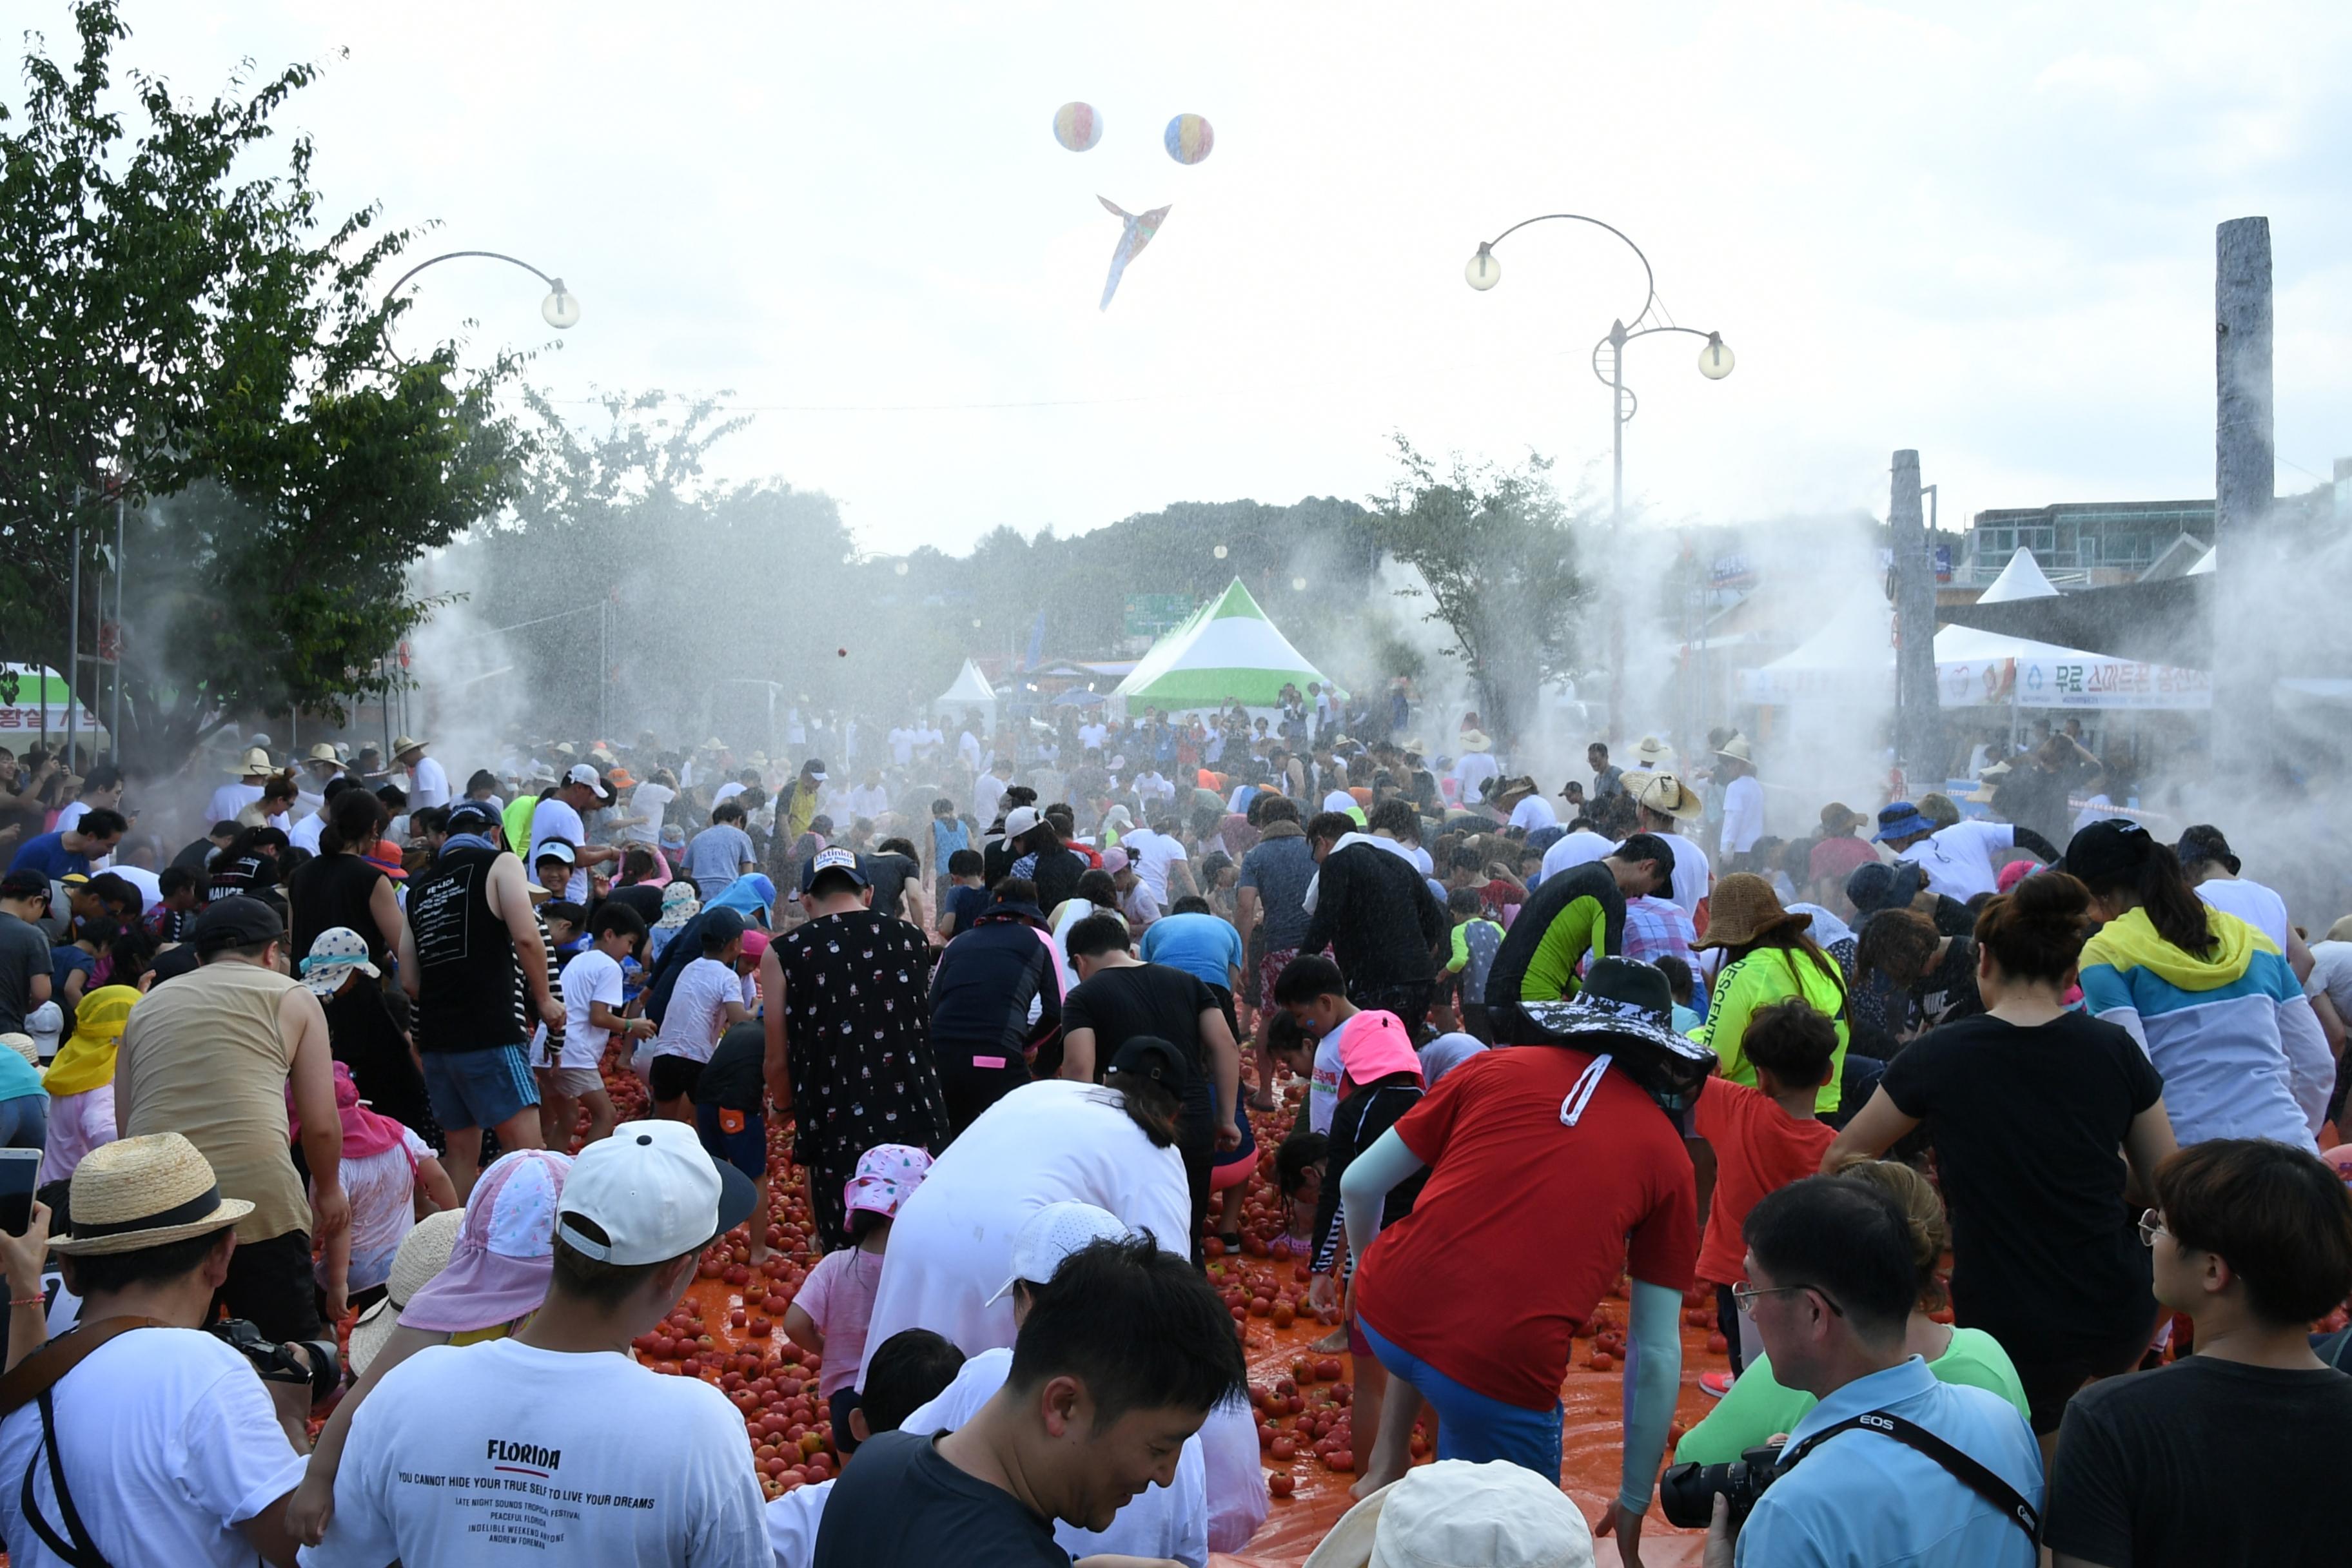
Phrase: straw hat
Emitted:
{"points": [[1653, 756], [1743, 908], [1509, 790], [406, 743], [23, 1047], [255, 760], [325, 751], [1736, 749], [1498, 1515], [423, 1253], [138, 1192], [1476, 740], [1668, 797]]}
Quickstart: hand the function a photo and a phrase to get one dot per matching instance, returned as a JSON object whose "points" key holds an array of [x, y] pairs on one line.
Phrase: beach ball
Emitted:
{"points": [[1078, 127], [1188, 139]]}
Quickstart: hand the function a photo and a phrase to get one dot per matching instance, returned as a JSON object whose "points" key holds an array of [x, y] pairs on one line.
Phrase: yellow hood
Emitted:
{"points": [[2131, 942]]}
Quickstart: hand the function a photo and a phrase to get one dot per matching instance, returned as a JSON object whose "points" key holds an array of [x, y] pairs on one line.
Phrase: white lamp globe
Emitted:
{"points": [[1716, 360], [562, 307], [1484, 271]]}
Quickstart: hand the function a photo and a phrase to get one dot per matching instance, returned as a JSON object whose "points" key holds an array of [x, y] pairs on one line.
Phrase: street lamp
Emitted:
{"points": [[560, 310], [1714, 361]]}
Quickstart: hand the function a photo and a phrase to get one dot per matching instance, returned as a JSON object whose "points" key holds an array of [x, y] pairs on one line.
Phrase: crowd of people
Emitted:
{"points": [[369, 1131]]}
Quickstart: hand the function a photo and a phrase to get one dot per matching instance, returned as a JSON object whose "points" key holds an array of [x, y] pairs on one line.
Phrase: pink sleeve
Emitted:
{"points": [[1054, 953], [815, 1294]]}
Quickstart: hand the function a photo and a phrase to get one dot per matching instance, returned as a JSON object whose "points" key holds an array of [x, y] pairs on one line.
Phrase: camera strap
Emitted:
{"points": [[1970, 1472], [31, 1381]]}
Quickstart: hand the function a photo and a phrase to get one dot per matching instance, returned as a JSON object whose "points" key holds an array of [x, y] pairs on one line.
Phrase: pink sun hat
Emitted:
{"points": [[1374, 1043], [888, 1175], [505, 1251]]}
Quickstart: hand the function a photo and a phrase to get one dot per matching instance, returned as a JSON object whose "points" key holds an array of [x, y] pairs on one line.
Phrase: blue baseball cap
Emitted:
{"points": [[1901, 820]]}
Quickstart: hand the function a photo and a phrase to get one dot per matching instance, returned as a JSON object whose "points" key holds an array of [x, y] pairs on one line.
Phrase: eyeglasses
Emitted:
{"points": [[2151, 1225], [1744, 1296]]}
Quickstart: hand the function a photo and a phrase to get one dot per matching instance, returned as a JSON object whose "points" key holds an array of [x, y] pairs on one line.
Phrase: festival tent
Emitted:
{"points": [[1852, 659], [2022, 578], [970, 690], [1225, 648]]}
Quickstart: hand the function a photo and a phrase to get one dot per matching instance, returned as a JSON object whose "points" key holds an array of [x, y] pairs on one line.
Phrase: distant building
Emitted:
{"points": [[2085, 544]]}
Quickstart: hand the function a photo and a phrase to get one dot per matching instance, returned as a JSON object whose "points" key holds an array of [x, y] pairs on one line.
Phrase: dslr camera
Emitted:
{"points": [[1687, 1491], [275, 1363]]}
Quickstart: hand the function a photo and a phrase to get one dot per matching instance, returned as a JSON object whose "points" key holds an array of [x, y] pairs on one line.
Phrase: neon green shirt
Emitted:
{"points": [[1766, 975], [1758, 1406]]}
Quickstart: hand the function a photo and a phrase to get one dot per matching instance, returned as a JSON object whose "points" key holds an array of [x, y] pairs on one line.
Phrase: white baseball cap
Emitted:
{"points": [[1020, 820], [586, 773], [1049, 1237], [653, 1192], [1498, 1514]]}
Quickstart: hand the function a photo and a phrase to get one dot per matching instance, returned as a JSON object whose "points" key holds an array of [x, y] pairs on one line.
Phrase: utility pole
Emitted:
{"points": [[1919, 730], [2244, 488]]}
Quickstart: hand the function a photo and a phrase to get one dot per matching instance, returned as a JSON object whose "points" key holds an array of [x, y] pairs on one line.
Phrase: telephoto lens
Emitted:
{"points": [[1686, 1491]]}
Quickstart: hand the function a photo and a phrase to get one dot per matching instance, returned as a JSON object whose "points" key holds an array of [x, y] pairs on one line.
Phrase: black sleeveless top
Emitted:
{"points": [[469, 983]]}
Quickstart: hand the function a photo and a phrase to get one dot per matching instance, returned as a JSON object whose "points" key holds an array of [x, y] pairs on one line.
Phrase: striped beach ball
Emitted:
{"points": [[1076, 126], [1188, 139]]}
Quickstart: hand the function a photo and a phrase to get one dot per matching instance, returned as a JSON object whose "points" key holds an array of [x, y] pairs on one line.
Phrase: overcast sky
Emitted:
{"points": [[1990, 238]]}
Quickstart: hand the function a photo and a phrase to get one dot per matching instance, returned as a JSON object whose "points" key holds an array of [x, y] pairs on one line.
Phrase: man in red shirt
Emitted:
{"points": [[1550, 1167]]}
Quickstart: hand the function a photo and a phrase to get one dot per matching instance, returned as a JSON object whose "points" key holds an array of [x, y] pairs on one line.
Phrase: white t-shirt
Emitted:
{"points": [[698, 1010], [552, 818], [1580, 847], [1743, 816], [1153, 853], [2331, 971], [902, 744], [1692, 872], [232, 798], [1958, 859], [382, 1191], [304, 833], [1532, 813], [951, 1245], [151, 887], [168, 1442], [2250, 902], [868, 800], [968, 748], [792, 1522], [1164, 1522], [727, 790], [428, 784], [1473, 769], [1092, 736], [1323, 1082], [591, 976], [987, 795], [1339, 800], [72, 812], [651, 801], [503, 1453]]}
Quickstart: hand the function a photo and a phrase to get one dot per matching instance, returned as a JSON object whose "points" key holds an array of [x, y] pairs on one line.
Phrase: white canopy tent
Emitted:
{"points": [[970, 689], [1852, 659], [2022, 578]]}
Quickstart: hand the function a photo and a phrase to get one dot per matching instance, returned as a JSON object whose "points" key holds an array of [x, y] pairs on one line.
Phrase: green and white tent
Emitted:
{"points": [[1225, 648]]}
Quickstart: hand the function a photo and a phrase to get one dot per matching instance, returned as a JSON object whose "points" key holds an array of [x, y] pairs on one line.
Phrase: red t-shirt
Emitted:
{"points": [[1525, 1220], [1758, 1149], [1839, 857]]}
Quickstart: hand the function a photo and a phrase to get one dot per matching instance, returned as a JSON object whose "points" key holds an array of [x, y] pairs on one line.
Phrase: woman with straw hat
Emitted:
{"points": [[1769, 956], [81, 1081], [161, 1443]]}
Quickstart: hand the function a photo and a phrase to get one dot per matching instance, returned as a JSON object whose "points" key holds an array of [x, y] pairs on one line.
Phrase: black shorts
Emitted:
{"points": [[674, 1078], [2050, 1384], [270, 1285]]}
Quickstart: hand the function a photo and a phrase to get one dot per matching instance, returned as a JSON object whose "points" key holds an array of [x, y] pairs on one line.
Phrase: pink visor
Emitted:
{"points": [[1373, 1045], [505, 1251]]}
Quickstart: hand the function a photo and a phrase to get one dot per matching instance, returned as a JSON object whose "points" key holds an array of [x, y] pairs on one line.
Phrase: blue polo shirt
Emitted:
{"points": [[1862, 1499], [1200, 945]]}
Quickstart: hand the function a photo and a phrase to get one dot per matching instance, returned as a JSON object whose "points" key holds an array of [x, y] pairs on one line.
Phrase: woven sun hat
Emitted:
{"points": [[505, 1251], [1736, 749], [1443, 1515], [136, 1192], [1653, 756], [423, 1253], [1743, 908], [1668, 797], [23, 1047], [255, 761]]}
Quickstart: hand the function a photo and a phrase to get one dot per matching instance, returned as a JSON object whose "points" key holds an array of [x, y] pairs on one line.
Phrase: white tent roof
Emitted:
{"points": [[1852, 659], [2204, 568], [1225, 648], [2022, 578], [970, 689]]}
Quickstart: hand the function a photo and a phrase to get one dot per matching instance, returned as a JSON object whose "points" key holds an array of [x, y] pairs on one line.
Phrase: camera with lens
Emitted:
{"points": [[276, 1362], [1687, 1491]]}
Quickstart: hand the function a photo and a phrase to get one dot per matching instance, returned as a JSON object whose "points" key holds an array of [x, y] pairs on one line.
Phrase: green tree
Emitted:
{"points": [[195, 338], [1496, 548]]}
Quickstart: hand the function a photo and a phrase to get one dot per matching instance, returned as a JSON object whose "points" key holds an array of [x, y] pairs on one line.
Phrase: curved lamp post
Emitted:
{"points": [[560, 310], [1714, 361]]}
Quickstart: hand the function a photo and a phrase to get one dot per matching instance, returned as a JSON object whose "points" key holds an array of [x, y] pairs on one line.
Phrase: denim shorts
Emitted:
{"points": [[745, 1147], [479, 1089], [1470, 1426]]}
